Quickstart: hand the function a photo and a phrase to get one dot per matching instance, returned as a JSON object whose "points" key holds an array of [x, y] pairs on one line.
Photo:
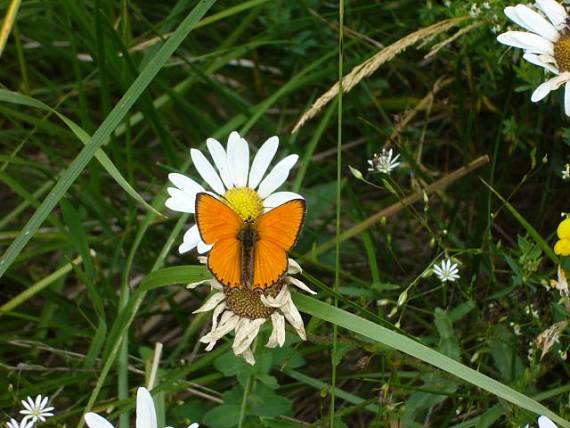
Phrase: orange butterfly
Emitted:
{"points": [[252, 253]]}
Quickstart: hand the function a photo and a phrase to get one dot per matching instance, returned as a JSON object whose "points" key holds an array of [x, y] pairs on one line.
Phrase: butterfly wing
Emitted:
{"points": [[219, 226], [277, 232]]}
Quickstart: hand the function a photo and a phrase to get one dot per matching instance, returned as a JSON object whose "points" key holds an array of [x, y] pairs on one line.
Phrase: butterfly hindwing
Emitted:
{"points": [[277, 232]]}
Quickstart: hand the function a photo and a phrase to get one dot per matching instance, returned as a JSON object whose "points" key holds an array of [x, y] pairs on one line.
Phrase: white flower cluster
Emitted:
{"points": [[34, 411]]}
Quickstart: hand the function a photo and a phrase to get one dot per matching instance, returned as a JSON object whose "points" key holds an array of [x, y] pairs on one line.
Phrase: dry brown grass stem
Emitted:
{"points": [[372, 64], [440, 184]]}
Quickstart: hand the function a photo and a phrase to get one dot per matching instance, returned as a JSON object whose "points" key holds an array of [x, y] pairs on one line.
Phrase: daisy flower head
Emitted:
{"points": [[384, 163], [446, 271], [546, 43], [562, 246], [36, 410], [243, 185], [244, 310], [146, 414]]}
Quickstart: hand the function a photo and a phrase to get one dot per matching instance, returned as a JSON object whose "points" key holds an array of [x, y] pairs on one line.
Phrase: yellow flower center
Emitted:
{"points": [[562, 52], [246, 302], [245, 201]]}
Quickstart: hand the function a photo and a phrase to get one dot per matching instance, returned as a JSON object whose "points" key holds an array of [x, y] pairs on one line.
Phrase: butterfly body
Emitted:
{"points": [[247, 237], [251, 252]]}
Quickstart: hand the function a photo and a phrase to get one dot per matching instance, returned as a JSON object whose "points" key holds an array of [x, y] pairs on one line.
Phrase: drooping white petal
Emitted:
{"points": [[248, 357], [277, 176], [190, 240], [550, 85], [180, 201], [146, 414], [193, 285], [294, 317], [554, 11], [527, 41], [277, 337], [238, 159], [246, 335], [93, 420], [216, 314], [221, 161], [544, 422], [211, 303], [262, 160], [278, 198], [277, 301], [194, 425], [536, 23], [541, 61], [207, 171], [203, 247], [293, 267], [567, 99], [300, 284]]}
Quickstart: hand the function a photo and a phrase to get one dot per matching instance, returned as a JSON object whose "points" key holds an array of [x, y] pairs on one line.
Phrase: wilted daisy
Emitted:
{"points": [[546, 44], [384, 163], [561, 283], [244, 311], [562, 246], [146, 414], [36, 410], [246, 188], [446, 271]]}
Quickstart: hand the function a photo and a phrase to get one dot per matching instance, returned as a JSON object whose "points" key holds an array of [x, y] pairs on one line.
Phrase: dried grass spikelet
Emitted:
{"points": [[545, 340], [372, 64]]}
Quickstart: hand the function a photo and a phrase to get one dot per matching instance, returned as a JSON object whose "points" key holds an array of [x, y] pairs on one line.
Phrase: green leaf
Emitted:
{"points": [[224, 416], [103, 133], [409, 346]]}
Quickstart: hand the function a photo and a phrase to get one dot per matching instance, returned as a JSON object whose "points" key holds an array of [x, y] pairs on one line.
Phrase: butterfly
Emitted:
{"points": [[248, 252]]}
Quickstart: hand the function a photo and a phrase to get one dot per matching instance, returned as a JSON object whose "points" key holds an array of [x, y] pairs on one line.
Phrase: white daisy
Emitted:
{"points": [[546, 44], [244, 311], [446, 271], [36, 410], [384, 163], [146, 414], [27, 422], [242, 185]]}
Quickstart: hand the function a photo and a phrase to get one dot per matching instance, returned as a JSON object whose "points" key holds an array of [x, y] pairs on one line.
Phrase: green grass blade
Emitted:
{"points": [[103, 133], [409, 346]]}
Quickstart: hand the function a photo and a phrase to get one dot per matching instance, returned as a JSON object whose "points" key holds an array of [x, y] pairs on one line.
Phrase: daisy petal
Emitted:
{"points": [[277, 176], [294, 267], [146, 415], [194, 425], [550, 85], [238, 159], [567, 99], [190, 240], [180, 201], [536, 23], [544, 422], [203, 247], [541, 61], [300, 285], [221, 161], [278, 198], [527, 41], [186, 184], [207, 171], [248, 357], [262, 161], [211, 303], [511, 13], [93, 420], [554, 11]]}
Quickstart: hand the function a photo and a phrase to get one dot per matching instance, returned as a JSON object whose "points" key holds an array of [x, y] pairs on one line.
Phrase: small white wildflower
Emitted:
{"points": [[531, 310], [27, 422], [446, 271], [474, 11], [36, 410], [566, 172], [384, 163], [563, 354], [516, 328]]}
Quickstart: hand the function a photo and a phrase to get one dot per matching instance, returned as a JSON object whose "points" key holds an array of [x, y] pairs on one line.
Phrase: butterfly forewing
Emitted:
{"points": [[277, 232], [219, 226]]}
